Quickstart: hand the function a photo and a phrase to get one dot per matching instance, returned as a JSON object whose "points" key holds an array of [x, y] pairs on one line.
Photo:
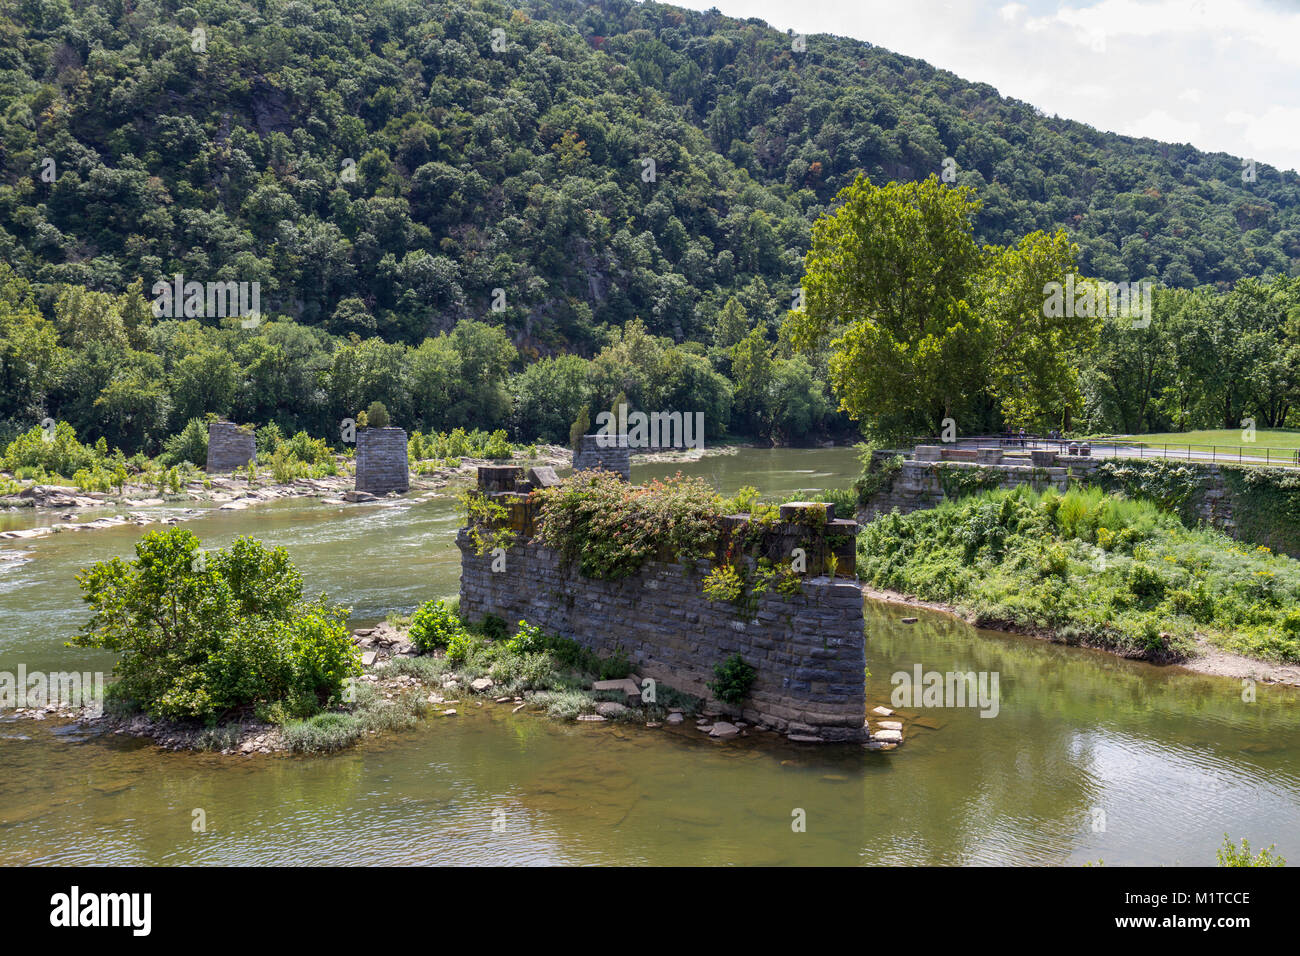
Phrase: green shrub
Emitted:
{"points": [[189, 444], [40, 454], [459, 647], [733, 679], [569, 653], [268, 439], [1145, 581], [609, 528], [529, 639], [615, 667], [201, 634], [434, 625], [845, 501], [515, 673], [1054, 562], [744, 501], [1230, 855], [493, 627], [724, 584], [498, 445], [377, 415]]}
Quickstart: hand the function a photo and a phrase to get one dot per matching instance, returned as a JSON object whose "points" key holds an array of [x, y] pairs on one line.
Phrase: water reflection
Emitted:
{"points": [[1164, 760]]}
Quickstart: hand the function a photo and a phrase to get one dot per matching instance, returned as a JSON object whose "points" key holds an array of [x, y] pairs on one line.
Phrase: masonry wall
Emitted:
{"points": [[808, 649], [229, 447], [918, 486], [615, 458], [382, 464]]}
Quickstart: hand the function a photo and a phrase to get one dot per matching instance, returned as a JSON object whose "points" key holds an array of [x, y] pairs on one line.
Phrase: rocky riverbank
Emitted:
{"points": [[226, 493], [399, 686], [1206, 660], [223, 494]]}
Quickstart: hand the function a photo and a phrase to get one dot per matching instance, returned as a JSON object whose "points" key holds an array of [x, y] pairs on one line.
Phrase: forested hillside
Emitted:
{"points": [[554, 170]]}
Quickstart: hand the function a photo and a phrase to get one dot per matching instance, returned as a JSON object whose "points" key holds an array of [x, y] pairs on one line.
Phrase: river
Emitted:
{"points": [[1090, 757]]}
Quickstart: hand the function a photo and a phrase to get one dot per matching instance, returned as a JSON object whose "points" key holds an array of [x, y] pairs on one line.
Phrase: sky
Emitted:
{"points": [[1223, 75]]}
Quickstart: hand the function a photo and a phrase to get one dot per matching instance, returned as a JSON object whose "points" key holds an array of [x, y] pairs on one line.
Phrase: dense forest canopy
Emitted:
{"points": [[434, 195]]}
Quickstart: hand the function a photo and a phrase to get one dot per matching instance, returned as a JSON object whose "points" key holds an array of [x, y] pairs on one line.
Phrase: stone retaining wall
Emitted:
{"points": [[382, 464], [918, 485], [229, 447], [808, 649]]}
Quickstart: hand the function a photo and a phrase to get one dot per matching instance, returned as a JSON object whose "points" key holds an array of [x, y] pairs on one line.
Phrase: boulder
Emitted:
{"points": [[543, 477], [627, 687], [610, 709]]}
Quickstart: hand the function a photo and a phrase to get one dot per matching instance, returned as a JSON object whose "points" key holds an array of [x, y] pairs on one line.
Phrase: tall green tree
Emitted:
{"points": [[923, 324]]}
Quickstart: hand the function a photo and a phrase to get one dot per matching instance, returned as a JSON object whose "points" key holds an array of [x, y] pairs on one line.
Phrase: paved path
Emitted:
{"points": [[1221, 455]]}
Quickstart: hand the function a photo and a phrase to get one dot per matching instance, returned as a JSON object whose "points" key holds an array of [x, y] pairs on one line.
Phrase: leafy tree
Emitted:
{"points": [[30, 356], [204, 634], [922, 323]]}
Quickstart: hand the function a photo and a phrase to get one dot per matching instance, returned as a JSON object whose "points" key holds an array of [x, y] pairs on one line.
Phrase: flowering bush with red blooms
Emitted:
{"points": [[610, 528]]}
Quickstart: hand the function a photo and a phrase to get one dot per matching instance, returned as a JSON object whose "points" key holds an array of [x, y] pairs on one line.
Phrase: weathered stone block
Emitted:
{"points": [[229, 447], [604, 452], [382, 463], [676, 635]]}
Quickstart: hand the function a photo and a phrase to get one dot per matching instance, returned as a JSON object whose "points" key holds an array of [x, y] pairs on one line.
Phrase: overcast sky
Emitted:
{"points": [[1223, 75]]}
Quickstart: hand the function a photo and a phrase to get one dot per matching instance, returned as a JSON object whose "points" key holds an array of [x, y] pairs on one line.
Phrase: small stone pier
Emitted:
{"points": [[604, 451], [382, 462], [229, 447]]}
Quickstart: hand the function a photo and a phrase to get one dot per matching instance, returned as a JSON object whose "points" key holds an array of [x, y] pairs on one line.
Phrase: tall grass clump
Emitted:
{"points": [[1090, 567]]}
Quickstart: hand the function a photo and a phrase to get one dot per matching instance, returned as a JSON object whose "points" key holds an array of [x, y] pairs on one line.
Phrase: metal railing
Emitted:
{"points": [[1246, 454]]}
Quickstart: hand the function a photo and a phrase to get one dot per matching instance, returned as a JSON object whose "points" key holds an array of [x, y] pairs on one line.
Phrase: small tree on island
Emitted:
{"points": [[205, 634]]}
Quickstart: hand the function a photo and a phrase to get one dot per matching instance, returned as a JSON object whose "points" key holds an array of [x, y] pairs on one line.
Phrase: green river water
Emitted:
{"points": [[1090, 757]]}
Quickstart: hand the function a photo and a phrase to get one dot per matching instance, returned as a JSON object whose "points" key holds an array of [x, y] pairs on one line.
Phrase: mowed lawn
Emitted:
{"points": [[1264, 438]]}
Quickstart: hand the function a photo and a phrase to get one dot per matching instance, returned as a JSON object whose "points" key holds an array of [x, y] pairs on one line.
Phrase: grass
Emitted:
{"points": [[1229, 437], [554, 678], [1090, 568], [371, 713]]}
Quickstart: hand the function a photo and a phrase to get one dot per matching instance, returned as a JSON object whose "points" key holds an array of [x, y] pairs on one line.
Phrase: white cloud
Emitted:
{"points": [[1160, 125], [1180, 65]]}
